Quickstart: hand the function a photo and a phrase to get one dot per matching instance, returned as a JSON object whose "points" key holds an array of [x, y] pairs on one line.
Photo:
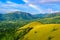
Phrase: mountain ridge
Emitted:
{"points": [[23, 16]]}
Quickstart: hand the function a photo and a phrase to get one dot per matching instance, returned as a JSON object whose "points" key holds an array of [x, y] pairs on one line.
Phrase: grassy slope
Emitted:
{"points": [[42, 31]]}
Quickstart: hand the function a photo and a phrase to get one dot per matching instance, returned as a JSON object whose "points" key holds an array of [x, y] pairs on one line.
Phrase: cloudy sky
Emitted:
{"points": [[30, 6]]}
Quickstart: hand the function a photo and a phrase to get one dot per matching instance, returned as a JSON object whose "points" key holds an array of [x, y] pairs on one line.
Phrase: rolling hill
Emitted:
{"points": [[38, 31]]}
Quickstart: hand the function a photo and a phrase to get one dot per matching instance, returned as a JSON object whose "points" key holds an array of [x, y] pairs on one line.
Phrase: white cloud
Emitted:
{"points": [[34, 4], [49, 1], [11, 6], [30, 5], [8, 7], [51, 11], [8, 10], [9, 2], [39, 9], [25, 1], [40, 1]]}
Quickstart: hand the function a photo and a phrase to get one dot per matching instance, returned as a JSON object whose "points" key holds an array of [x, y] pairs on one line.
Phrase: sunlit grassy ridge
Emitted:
{"points": [[25, 29], [40, 31], [29, 25], [32, 24]]}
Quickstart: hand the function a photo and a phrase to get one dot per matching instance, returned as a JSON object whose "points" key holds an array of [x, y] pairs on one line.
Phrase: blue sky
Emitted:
{"points": [[30, 6]]}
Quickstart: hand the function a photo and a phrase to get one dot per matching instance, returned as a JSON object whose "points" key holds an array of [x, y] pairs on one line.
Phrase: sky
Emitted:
{"points": [[30, 6]]}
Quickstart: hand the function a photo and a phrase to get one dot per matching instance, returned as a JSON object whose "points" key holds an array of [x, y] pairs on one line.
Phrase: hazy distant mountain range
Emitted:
{"points": [[18, 15]]}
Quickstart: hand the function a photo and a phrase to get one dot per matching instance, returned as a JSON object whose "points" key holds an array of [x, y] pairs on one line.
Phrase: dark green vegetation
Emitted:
{"points": [[22, 33], [50, 38], [11, 21]]}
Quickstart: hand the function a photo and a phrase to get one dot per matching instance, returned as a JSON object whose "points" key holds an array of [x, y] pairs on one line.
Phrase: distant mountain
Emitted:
{"points": [[23, 16], [47, 15], [16, 16], [49, 18], [53, 15], [40, 15]]}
